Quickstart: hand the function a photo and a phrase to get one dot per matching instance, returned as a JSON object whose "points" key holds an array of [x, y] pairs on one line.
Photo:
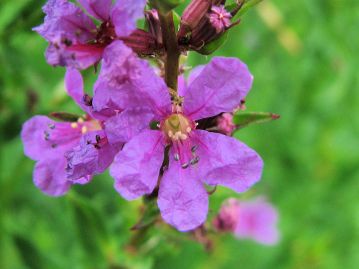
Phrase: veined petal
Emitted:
{"points": [[230, 163], [182, 199], [45, 138], [125, 14], [136, 168], [50, 176], [219, 87], [92, 156], [99, 9], [125, 81], [127, 124]]}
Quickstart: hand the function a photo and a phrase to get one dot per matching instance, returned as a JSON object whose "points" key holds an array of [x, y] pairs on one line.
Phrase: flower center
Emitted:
{"points": [[177, 127]]}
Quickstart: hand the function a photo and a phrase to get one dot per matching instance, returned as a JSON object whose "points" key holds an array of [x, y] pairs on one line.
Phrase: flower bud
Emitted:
{"points": [[227, 218], [154, 25], [225, 124], [142, 42]]}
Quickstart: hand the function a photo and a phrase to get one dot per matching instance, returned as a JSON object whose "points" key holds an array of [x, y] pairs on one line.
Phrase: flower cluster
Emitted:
{"points": [[151, 125]]}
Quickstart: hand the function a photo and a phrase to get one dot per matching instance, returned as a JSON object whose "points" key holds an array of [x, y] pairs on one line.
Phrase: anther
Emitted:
{"points": [[84, 130], [185, 165], [52, 126], [194, 148], [74, 125], [194, 160], [98, 138], [46, 135], [176, 157], [54, 146]]}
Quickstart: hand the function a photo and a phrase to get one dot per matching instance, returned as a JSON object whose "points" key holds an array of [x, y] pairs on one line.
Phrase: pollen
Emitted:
{"points": [[74, 125], [84, 130]]}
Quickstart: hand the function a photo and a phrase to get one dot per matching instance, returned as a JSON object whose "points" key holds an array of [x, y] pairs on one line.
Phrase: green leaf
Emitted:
{"points": [[247, 6], [64, 116], [30, 255], [165, 6], [214, 45], [243, 119]]}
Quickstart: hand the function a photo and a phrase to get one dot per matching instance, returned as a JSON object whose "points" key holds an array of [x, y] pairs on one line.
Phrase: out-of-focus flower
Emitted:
{"points": [[196, 157], [75, 40], [225, 124], [256, 219]]}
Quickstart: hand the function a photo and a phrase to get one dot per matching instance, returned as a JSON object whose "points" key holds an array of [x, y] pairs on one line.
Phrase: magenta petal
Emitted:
{"points": [[182, 198], [258, 219], [75, 86], [125, 14], [92, 156], [125, 81], [50, 176], [136, 168], [230, 163], [99, 9], [127, 124], [219, 87]]}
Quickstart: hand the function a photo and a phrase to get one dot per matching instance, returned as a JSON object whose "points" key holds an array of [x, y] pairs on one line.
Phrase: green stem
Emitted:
{"points": [[172, 50]]}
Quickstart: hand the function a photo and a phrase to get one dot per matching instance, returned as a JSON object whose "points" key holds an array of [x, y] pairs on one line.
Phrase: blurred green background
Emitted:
{"points": [[304, 57]]}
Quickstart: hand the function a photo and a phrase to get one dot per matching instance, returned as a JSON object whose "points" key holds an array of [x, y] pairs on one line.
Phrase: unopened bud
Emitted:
{"points": [[225, 124], [142, 42], [154, 25], [227, 218]]}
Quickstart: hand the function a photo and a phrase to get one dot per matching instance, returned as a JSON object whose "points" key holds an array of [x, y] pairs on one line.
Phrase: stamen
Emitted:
{"points": [[80, 120], [194, 160], [84, 130], [185, 165], [74, 125], [194, 148], [52, 126], [176, 157]]}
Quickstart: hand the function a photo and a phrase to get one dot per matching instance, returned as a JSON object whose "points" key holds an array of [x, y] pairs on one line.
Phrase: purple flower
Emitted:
{"points": [[74, 38], [196, 157], [220, 18], [68, 152], [256, 219]]}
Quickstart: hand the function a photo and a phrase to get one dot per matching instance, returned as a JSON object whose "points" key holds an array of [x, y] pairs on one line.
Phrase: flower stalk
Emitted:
{"points": [[172, 50]]}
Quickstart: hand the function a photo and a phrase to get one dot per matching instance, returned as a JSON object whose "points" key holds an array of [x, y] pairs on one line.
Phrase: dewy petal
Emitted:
{"points": [[125, 81], [258, 219], [136, 168], [45, 138], [219, 87], [127, 124], [99, 9], [125, 14], [182, 198], [92, 156], [50, 176], [229, 162]]}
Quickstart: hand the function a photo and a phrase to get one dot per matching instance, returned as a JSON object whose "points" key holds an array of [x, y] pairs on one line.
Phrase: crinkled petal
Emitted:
{"points": [[125, 81], [92, 156], [63, 18], [45, 138], [182, 199], [125, 14], [136, 168], [99, 9], [219, 87], [258, 220], [127, 124], [229, 162], [50, 176]]}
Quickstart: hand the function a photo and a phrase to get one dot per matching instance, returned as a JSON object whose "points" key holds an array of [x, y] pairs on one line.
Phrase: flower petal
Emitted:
{"points": [[92, 156], [136, 168], [45, 138], [229, 162], [127, 124], [125, 81], [258, 220], [125, 14], [50, 176], [182, 199], [99, 9], [219, 87]]}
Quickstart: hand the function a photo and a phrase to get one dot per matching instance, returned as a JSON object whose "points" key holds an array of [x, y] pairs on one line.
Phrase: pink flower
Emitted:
{"points": [[75, 40], [256, 219], [196, 157], [220, 18], [225, 124]]}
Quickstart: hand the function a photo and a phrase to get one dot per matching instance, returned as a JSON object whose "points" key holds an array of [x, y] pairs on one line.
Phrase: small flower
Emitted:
{"points": [[256, 219], [220, 18], [196, 157], [75, 40], [225, 124], [69, 152]]}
